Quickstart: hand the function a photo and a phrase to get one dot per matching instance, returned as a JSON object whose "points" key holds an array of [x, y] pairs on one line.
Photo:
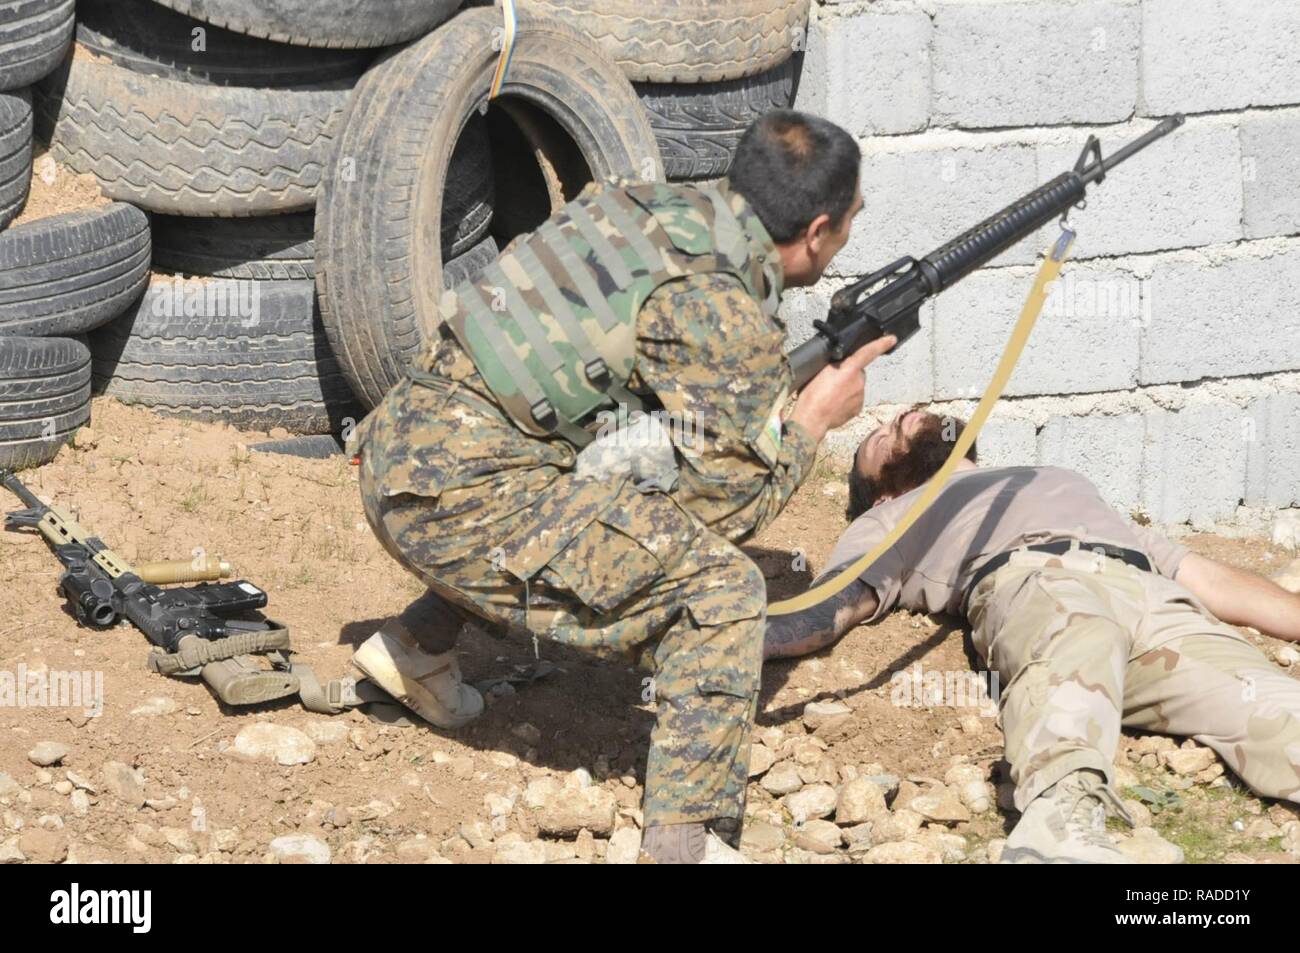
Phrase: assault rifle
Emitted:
{"points": [[862, 312], [203, 630]]}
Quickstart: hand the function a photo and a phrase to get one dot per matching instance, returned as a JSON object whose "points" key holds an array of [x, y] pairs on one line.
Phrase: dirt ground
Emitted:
{"points": [[158, 488]]}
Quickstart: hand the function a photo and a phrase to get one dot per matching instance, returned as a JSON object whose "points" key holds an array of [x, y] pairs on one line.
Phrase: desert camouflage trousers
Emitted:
{"points": [[498, 526], [1084, 644]]}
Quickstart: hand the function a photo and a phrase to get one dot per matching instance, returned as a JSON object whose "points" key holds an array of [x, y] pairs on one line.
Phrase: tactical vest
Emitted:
{"points": [[551, 325]]}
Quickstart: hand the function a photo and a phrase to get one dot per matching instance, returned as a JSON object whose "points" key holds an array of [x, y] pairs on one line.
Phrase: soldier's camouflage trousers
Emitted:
{"points": [[497, 524], [1084, 644]]}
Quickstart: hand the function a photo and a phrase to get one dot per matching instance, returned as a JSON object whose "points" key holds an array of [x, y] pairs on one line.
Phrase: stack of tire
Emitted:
{"points": [[704, 70], [60, 276]]}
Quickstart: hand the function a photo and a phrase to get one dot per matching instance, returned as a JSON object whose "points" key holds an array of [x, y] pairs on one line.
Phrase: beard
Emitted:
{"points": [[905, 470]]}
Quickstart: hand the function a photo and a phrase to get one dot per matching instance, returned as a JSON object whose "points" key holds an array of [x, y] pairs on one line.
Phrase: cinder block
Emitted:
{"points": [[1086, 339], [902, 377], [1239, 316], [1270, 171], [1181, 192], [1107, 450], [1007, 442], [1204, 55], [869, 72], [1273, 451], [1194, 468], [1035, 64], [919, 195]]}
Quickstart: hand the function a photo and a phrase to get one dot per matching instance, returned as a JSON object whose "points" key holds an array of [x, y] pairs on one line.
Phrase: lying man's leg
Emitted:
{"points": [[1052, 634], [1222, 691]]}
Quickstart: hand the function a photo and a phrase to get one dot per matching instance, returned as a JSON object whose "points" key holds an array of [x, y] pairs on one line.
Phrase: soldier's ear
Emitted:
{"points": [[817, 232]]}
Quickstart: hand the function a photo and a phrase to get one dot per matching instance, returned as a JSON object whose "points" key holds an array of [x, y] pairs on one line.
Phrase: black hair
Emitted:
{"points": [[792, 167], [927, 450]]}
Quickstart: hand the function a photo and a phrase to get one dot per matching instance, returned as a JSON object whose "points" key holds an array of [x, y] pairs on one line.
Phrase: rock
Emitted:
{"points": [[807, 751], [995, 848], [8, 786], [624, 846], [897, 826], [158, 705], [902, 852], [179, 840], [300, 848], [80, 802], [951, 847], [783, 779], [124, 782], [1210, 774], [942, 805], [1148, 847], [1286, 656], [43, 776], [523, 852], [529, 734], [860, 837], [860, 801], [47, 753], [1125, 777], [761, 758], [888, 783], [325, 731], [584, 846], [264, 741], [816, 713], [63, 787], [762, 837], [80, 782], [477, 834], [42, 846], [906, 791], [1185, 761], [10, 852], [498, 805], [578, 778], [810, 803], [1140, 813], [770, 737], [225, 840], [968, 781], [418, 850], [819, 837], [569, 810], [824, 771], [1286, 530]]}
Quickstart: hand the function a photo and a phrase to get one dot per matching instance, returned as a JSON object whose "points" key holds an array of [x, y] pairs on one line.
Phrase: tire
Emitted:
{"points": [[269, 248], [15, 153], [254, 368], [185, 148], [699, 125], [378, 269], [34, 37], [686, 41], [44, 397], [329, 23], [70, 273], [140, 36], [467, 266]]}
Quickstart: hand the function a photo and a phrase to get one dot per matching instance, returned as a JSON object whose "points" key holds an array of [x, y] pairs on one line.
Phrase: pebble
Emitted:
{"points": [[624, 846], [1286, 656], [282, 744], [860, 801], [819, 837], [565, 811], [125, 782], [158, 705], [80, 802], [1185, 761], [81, 782], [42, 776], [783, 779], [897, 826], [8, 786], [940, 804], [300, 849], [10, 853], [326, 731], [477, 834], [63, 787], [762, 837], [761, 759], [810, 803], [1148, 847], [47, 753], [815, 714]]}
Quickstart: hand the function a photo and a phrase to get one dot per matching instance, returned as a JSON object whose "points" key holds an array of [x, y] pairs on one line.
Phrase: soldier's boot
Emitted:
{"points": [[1066, 824], [428, 684], [686, 844]]}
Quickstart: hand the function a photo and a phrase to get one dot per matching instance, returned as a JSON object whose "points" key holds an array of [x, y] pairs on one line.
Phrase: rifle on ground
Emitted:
{"points": [[859, 315], [205, 630]]}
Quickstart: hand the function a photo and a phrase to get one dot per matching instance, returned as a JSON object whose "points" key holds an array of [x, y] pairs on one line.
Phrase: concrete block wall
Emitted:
{"points": [[1166, 366]]}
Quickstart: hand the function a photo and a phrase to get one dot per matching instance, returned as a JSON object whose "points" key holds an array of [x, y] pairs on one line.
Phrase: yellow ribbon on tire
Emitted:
{"points": [[1047, 274]]}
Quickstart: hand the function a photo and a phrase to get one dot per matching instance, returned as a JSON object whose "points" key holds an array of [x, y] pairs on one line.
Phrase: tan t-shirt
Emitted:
{"points": [[981, 513]]}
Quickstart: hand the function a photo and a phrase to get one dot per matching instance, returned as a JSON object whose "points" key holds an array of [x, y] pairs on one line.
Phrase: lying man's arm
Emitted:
{"points": [[1239, 597], [812, 629]]}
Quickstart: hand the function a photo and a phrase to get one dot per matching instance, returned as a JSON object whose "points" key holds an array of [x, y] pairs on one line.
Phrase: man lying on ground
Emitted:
{"points": [[1090, 622]]}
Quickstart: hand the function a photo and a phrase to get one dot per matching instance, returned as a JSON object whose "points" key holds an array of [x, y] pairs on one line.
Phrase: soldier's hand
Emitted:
{"points": [[835, 395]]}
